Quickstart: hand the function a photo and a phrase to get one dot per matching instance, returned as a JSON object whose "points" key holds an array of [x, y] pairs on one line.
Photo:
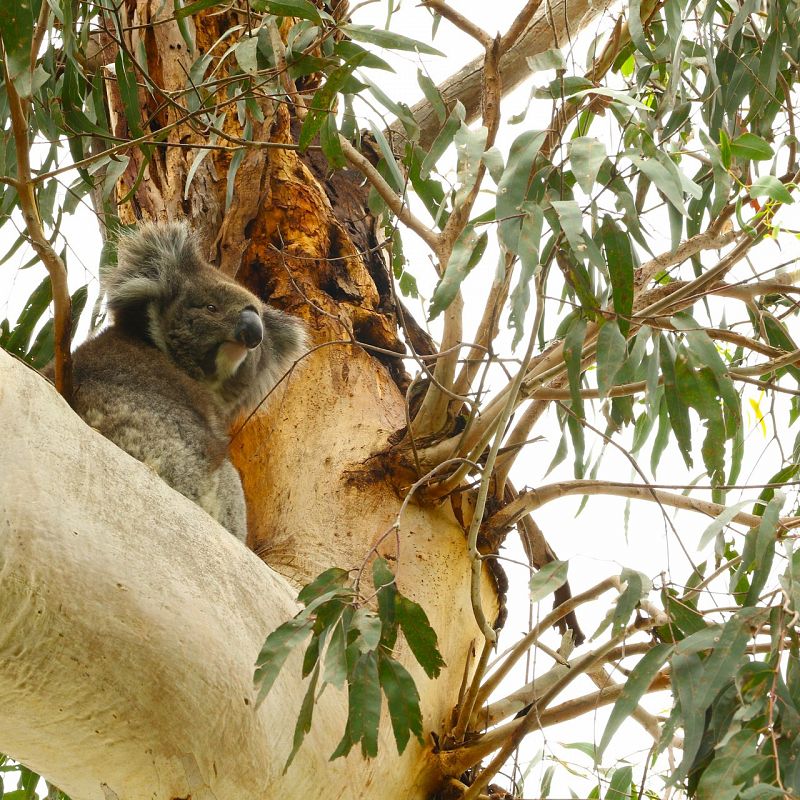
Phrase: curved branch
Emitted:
{"points": [[532, 499], [24, 184]]}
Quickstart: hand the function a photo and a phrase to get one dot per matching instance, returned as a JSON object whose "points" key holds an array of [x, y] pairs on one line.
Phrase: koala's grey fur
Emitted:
{"points": [[189, 348]]}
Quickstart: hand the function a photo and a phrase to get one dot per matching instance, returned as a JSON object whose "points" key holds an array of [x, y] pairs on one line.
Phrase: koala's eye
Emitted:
{"points": [[212, 308]]}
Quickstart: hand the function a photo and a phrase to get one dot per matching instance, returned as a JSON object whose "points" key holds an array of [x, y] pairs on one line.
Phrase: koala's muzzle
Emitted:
{"points": [[249, 329]]}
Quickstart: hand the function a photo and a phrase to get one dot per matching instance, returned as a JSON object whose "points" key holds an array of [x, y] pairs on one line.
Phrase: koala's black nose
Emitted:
{"points": [[249, 328]]}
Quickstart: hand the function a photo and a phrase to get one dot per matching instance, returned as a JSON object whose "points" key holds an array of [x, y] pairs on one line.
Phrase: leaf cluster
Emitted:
{"points": [[349, 643]]}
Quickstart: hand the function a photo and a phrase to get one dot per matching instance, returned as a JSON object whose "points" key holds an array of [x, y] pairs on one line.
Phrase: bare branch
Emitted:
{"points": [[527, 641], [532, 499], [62, 303], [389, 196], [519, 729], [460, 21], [433, 414], [477, 749]]}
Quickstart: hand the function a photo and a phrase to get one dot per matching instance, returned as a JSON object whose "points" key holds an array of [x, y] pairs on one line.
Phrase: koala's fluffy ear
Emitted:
{"points": [[150, 263]]}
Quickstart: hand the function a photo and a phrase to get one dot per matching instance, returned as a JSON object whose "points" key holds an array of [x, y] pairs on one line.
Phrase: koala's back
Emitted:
{"points": [[135, 396]]}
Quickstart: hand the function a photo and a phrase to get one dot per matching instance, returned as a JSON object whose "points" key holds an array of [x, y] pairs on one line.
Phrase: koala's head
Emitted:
{"points": [[211, 327]]}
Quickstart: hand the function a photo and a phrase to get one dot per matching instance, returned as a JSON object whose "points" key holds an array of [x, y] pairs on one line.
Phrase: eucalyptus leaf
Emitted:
{"points": [[547, 579]]}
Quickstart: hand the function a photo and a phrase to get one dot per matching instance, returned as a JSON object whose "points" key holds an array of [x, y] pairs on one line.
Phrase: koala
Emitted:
{"points": [[187, 351]]}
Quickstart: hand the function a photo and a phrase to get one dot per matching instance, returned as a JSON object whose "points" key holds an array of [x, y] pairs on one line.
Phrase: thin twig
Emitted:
{"points": [[527, 641], [460, 21], [389, 196]]}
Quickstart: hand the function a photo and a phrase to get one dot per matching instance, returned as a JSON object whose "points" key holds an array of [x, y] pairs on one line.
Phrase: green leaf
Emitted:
{"points": [[276, 650], [335, 671], [400, 110], [687, 669], [347, 49], [570, 218], [432, 95], [303, 725], [322, 102], [719, 780], [364, 708], [729, 650], [384, 581], [725, 148], [611, 352], [765, 548], [619, 788], [245, 51], [677, 119], [443, 139], [586, 155], [666, 180], [42, 351], [720, 521], [573, 350], [331, 144], [396, 180], [750, 147], [637, 588], [698, 389], [676, 406], [513, 187], [546, 580], [187, 11], [332, 578], [388, 39], [762, 791], [685, 620], [302, 9], [17, 22], [530, 235], [547, 781], [38, 302], [549, 59], [402, 698], [470, 145], [619, 259], [637, 30], [116, 166], [129, 92], [467, 251], [704, 348], [770, 186], [420, 635], [368, 625]]}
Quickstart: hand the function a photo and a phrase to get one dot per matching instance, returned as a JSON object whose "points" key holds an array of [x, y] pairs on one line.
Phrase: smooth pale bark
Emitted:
{"points": [[130, 622]]}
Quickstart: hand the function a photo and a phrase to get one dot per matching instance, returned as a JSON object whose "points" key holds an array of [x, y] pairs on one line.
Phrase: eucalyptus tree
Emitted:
{"points": [[629, 225]]}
